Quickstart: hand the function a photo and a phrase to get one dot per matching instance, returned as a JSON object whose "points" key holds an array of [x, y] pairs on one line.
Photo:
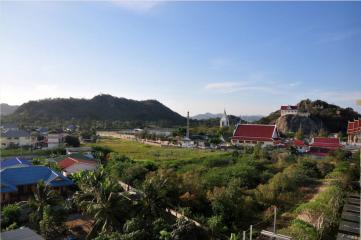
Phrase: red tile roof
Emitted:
{"points": [[288, 107], [67, 162], [254, 132], [299, 143], [323, 142]]}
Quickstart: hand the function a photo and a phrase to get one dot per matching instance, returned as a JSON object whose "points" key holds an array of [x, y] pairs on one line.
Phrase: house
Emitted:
{"points": [[15, 137], [293, 110], [321, 146], [354, 132], [19, 183], [20, 233], [251, 134], [300, 146], [14, 162], [54, 140], [9, 126], [71, 128], [43, 131], [76, 163]]}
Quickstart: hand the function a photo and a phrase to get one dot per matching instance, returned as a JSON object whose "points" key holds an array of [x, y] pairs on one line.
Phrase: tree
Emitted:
{"points": [[185, 230], [99, 198], [322, 133], [299, 134], [72, 141], [43, 196], [52, 222]]}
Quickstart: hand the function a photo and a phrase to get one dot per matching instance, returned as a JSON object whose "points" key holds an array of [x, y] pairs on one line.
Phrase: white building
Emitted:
{"points": [[17, 138], [224, 122], [289, 110], [54, 139]]}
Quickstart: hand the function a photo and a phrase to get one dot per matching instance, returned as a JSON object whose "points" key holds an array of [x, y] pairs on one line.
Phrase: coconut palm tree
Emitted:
{"points": [[43, 196], [100, 199]]}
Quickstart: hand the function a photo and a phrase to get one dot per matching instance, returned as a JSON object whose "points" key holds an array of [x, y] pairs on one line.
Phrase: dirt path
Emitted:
{"points": [[319, 189]]}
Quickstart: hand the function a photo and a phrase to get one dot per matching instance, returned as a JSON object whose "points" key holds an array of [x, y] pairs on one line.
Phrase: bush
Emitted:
{"points": [[10, 214]]}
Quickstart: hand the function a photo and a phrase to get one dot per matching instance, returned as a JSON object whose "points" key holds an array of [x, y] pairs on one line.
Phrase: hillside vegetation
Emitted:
{"points": [[105, 109]]}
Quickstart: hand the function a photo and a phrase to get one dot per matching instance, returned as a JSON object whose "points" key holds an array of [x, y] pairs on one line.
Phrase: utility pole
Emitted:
{"points": [[187, 134], [274, 219], [250, 232]]}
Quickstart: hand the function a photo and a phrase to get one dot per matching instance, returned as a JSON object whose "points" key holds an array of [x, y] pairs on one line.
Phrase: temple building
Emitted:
{"points": [[224, 122], [293, 110], [354, 132], [252, 134]]}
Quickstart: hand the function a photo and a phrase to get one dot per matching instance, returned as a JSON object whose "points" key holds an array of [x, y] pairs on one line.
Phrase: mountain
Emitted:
{"points": [[6, 109], [99, 108], [330, 117], [206, 116]]}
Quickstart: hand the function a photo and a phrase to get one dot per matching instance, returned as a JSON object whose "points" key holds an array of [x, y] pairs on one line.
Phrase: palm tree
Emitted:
{"points": [[43, 196], [99, 198]]}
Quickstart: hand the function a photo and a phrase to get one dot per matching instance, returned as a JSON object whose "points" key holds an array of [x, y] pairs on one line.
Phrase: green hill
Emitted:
{"points": [[332, 117], [102, 108]]}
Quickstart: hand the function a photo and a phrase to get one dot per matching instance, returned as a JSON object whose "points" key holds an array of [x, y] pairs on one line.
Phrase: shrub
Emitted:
{"points": [[10, 215]]}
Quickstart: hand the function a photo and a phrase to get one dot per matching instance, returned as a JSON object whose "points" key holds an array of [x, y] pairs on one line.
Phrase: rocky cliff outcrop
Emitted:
{"points": [[291, 123]]}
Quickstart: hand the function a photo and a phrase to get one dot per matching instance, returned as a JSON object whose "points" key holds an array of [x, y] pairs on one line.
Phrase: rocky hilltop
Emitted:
{"points": [[330, 117], [291, 123]]}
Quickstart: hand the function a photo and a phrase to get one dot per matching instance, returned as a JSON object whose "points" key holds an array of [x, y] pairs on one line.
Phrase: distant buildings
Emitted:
{"points": [[300, 146], [354, 132], [12, 136], [224, 121], [252, 134], [293, 110]]}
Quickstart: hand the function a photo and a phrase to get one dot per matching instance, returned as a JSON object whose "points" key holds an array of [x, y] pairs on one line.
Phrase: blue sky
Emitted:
{"points": [[249, 58]]}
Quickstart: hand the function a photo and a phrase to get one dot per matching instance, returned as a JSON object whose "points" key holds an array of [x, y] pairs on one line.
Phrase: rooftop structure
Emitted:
{"points": [[255, 133], [23, 233], [321, 146], [14, 162], [354, 132]]}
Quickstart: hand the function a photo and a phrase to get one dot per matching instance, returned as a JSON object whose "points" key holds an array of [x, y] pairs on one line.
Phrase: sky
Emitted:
{"points": [[245, 57]]}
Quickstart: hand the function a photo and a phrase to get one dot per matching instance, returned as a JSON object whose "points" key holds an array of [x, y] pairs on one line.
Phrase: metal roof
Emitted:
{"points": [[15, 133], [22, 233], [11, 162], [13, 177]]}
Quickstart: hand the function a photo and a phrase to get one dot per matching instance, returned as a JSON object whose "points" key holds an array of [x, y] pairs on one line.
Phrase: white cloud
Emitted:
{"points": [[137, 6], [254, 86]]}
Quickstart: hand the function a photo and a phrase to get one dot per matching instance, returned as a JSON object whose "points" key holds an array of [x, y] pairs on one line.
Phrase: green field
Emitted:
{"points": [[160, 155]]}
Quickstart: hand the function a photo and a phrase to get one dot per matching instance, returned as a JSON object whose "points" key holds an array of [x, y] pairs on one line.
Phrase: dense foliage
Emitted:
{"points": [[114, 111]]}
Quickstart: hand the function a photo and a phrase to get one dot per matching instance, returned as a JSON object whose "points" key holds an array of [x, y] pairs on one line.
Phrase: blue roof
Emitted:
{"points": [[14, 162], [13, 177]]}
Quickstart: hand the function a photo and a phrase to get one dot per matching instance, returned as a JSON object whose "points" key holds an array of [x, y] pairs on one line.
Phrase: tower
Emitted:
{"points": [[187, 134], [224, 122]]}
